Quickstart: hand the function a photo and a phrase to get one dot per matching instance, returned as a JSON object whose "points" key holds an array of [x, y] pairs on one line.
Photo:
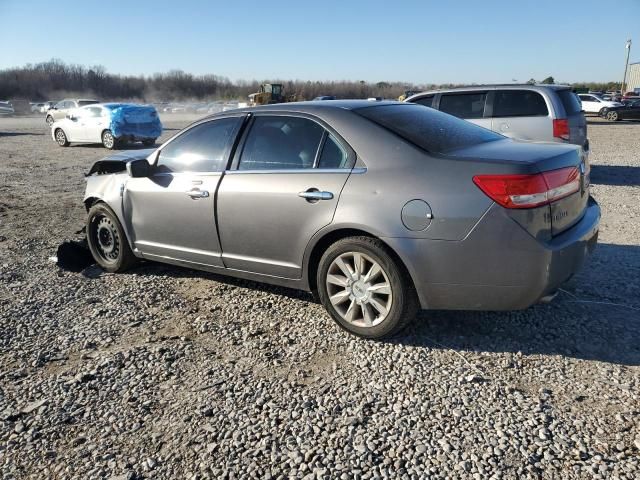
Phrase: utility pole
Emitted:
{"points": [[626, 65]]}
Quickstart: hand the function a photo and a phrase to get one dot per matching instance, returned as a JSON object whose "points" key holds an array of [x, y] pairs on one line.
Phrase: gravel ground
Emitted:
{"points": [[169, 373]]}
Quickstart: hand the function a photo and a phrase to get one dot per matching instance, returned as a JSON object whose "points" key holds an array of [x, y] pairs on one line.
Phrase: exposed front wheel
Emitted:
{"points": [[364, 288], [613, 116], [107, 241], [61, 138], [108, 140]]}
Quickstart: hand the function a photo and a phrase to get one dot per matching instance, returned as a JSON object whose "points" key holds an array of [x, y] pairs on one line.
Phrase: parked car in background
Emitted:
{"points": [[592, 103], [6, 108], [325, 97], [630, 110], [36, 107], [60, 109], [549, 113], [111, 124], [379, 207]]}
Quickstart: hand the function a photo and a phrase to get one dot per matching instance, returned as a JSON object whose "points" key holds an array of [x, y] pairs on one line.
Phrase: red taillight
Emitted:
{"points": [[561, 128], [526, 191]]}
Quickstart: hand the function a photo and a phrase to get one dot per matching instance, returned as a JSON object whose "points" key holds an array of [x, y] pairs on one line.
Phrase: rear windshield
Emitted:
{"points": [[429, 129], [570, 101], [87, 102]]}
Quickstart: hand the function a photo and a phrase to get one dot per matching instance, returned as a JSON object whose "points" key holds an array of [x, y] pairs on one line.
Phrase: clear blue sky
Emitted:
{"points": [[419, 41]]}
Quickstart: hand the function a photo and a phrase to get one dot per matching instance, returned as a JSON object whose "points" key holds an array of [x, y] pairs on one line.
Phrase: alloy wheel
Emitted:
{"points": [[359, 289], [61, 138], [107, 139]]}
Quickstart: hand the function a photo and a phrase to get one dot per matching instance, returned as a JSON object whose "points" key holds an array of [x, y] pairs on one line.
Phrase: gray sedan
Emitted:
{"points": [[378, 208]]}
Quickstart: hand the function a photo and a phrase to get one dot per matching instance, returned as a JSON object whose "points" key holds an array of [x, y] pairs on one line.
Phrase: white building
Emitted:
{"points": [[633, 78]]}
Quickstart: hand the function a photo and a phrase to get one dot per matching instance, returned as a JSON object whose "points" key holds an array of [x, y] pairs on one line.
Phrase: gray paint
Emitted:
{"points": [[473, 255]]}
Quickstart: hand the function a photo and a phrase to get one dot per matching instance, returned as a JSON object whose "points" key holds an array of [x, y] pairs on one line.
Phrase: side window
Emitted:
{"points": [[202, 148], [333, 155], [277, 143], [93, 111], [464, 105], [519, 103], [426, 101]]}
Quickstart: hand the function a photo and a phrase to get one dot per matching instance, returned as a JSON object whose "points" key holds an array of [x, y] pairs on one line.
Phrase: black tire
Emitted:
{"points": [[61, 138], [108, 140], [107, 242], [149, 142], [613, 116], [402, 302], [49, 120]]}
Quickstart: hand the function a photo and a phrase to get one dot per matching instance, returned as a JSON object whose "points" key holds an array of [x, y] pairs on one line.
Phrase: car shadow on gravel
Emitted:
{"points": [[20, 134], [617, 175], [596, 317]]}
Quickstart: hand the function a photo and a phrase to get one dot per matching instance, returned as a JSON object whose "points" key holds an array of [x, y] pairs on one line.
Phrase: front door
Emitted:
{"points": [[283, 188], [171, 214]]}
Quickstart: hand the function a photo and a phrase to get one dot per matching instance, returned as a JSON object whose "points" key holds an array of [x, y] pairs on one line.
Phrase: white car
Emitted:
{"points": [[108, 123], [592, 103], [6, 108]]}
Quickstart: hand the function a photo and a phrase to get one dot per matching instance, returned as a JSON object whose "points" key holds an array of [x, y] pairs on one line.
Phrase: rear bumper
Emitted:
{"points": [[499, 265]]}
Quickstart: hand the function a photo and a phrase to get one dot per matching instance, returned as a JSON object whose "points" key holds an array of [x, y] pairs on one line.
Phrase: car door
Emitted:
{"points": [[94, 122], [171, 214], [466, 105], [590, 103], [283, 187], [521, 114], [73, 125]]}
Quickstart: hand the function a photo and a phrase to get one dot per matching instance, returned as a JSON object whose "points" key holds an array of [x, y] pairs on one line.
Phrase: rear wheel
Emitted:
{"points": [[107, 241], [108, 140], [364, 288], [61, 138], [613, 116]]}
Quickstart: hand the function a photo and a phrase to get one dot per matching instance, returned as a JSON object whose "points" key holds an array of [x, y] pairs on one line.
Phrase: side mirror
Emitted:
{"points": [[138, 168], [70, 116]]}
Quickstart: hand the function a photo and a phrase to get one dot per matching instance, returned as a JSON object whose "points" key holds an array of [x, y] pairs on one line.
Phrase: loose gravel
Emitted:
{"points": [[169, 373]]}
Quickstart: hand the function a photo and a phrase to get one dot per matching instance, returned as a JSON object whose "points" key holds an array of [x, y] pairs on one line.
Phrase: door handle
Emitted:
{"points": [[198, 193], [313, 195]]}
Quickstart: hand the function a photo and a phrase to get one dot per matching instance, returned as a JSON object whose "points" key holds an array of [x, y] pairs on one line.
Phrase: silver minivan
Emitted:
{"points": [[547, 113]]}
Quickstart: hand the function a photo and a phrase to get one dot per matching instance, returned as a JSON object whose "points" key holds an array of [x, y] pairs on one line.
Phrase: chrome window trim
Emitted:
{"points": [[298, 170]]}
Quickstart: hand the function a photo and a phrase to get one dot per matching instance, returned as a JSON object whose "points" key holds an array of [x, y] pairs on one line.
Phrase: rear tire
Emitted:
{"points": [[108, 140], [107, 241], [61, 138], [365, 289]]}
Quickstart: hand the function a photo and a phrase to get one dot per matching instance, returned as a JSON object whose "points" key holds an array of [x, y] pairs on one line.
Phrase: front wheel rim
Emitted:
{"points": [[359, 289], [106, 238], [612, 116], [61, 137]]}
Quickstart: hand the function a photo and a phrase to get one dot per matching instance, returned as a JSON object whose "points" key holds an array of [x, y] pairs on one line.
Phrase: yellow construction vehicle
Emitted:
{"points": [[407, 94], [269, 93]]}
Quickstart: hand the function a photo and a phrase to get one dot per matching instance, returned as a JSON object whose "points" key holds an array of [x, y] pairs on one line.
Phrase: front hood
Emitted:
{"points": [[118, 161]]}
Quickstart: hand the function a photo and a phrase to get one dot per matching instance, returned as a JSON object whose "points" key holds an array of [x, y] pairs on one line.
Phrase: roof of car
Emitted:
{"points": [[534, 86], [311, 106]]}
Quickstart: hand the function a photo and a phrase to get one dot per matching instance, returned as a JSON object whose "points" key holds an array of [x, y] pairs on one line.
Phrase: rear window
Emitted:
{"points": [[570, 101], [463, 105], [87, 102], [426, 128], [519, 103]]}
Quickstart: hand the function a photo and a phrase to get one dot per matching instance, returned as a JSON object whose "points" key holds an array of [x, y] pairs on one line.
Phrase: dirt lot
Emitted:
{"points": [[170, 373]]}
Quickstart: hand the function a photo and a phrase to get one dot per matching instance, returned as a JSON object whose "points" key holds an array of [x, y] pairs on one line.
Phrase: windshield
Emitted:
{"points": [[429, 129]]}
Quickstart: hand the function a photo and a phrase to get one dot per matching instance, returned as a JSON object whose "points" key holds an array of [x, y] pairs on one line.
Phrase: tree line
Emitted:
{"points": [[55, 79]]}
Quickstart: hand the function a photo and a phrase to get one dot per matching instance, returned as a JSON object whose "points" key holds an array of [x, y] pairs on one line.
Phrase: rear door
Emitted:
{"points": [[283, 187], [467, 105], [94, 122], [522, 114], [171, 214]]}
